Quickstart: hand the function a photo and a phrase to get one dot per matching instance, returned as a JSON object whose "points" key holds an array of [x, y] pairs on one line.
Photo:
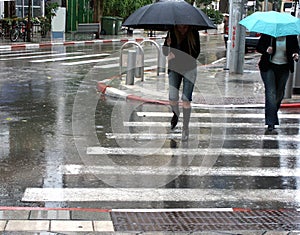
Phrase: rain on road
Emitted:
{"points": [[39, 152]]}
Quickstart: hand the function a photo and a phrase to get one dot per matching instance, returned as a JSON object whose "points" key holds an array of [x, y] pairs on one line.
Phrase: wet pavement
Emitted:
{"points": [[44, 140]]}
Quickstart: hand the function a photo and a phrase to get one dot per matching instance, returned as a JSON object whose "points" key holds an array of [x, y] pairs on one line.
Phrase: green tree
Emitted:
{"points": [[122, 8]]}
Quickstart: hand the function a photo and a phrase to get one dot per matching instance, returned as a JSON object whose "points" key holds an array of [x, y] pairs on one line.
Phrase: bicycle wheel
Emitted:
{"points": [[14, 35]]}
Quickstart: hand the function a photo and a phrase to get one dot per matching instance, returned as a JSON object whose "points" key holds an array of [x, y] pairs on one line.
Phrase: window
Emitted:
{"points": [[22, 8]]}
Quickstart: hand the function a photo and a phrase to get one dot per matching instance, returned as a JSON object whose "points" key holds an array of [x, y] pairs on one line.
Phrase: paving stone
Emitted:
{"points": [[10, 214], [2, 225], [103, 226], [84, 215], [27, 225], [71, 226], [50, 215]]}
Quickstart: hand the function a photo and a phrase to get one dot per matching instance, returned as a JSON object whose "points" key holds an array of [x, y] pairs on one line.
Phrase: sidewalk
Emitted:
{"points": [[204, 221], [215, 87]]}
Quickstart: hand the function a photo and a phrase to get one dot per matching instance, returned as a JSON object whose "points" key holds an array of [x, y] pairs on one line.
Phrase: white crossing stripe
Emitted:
{"points": [[209, 124], [69, 58], [219, 209], [194, 151], [221, 115], [240, 137], [188, 170], [118, 64], [157, 195], [91, 61], [40, 56], [25, 53]]}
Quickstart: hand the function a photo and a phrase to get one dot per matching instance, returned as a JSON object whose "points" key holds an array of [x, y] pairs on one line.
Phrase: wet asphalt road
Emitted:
{"points": [[39, 148]]}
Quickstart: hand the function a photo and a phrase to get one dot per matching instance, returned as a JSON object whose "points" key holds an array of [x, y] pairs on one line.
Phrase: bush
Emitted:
{"points": [[215, 15]]}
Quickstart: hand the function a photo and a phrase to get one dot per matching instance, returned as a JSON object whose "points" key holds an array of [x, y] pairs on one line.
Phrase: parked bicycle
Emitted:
{"points": [[18, 31]]}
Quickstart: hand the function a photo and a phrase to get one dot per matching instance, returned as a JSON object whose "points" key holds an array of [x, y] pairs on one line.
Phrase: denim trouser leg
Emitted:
{"points": [[175, 80], [174, 85], [275, 81], [188, 84]]}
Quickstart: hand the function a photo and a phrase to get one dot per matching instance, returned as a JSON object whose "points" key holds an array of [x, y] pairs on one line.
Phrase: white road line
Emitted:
{"points": [[194, 151], [188, 170], [69, 58], [210, 124], [227, 106], [158, 195], [25, 53], [173, 210], [118, 64], [40, 56], [241, 137], [91, 61], [221, 115]]}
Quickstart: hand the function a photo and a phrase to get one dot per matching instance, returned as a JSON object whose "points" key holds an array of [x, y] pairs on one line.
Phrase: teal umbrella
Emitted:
{"points": [[272, 23]]}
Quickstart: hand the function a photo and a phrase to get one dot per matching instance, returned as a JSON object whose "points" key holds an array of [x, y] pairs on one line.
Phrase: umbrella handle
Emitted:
{"points": [[271, 43], [169, 46]]}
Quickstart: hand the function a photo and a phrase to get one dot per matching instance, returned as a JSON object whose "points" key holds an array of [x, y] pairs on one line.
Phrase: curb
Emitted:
{"points": [[109, 91], [290, 105], [25, 46], [211, 209], [119, 94]]}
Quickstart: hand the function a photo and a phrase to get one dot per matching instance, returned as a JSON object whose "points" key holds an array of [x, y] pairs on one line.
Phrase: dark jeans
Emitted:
{"points": [[275, 80], [188, 79]]}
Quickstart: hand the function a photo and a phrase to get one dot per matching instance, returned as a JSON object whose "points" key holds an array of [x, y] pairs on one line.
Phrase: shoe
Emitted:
{"points": [[174, 121], [271, 127], [173, 144], [185, 135]]}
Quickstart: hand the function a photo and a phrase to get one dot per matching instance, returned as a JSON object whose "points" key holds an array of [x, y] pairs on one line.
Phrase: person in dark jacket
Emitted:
{"points": [[276, 62], [182, 47]]}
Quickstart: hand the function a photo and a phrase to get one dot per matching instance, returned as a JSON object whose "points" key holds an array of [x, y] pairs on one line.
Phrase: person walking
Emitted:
{"points": [[276, 62], [182, 48]]}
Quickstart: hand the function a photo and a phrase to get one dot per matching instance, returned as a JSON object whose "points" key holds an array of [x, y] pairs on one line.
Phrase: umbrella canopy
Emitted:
{"points": [[272, 23], [164, 14]]}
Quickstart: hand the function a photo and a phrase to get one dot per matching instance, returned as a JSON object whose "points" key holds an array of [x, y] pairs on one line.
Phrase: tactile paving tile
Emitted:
{"points": [[192, 221]]}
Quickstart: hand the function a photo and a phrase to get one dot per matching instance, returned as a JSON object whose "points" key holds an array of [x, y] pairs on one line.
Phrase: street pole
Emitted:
{"points": [[236, 38], [296, 79], [228, 46], [266, 5], [28, 26]]}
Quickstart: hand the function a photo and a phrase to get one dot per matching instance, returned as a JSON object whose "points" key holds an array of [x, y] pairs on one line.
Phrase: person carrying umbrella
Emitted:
{"points": [[182, 47], [279, 47], [277, 60]]}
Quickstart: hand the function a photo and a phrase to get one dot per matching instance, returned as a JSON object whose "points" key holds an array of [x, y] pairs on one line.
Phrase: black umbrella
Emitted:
{"points": [[164, 14]]}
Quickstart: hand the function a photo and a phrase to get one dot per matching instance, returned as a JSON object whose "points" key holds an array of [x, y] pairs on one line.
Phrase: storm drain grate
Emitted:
{"points": [[178, 221]]}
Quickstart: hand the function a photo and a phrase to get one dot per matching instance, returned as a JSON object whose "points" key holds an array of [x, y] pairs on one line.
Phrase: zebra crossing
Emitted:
{"points": [[231, 161], [72, 58], [40, 56]]}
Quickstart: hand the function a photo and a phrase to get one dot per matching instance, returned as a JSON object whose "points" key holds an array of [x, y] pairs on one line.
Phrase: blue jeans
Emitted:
{"points": [[275, 80], [175, 80]]}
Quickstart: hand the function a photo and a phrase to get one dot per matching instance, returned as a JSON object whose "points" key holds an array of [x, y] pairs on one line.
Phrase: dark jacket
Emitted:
{"points": [[185, 59], [265, 41]]}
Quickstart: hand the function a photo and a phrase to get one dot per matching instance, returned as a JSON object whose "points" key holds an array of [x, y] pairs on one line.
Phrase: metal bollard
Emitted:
{"points": [[139, 65], [131, 65], [162, 63]]}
